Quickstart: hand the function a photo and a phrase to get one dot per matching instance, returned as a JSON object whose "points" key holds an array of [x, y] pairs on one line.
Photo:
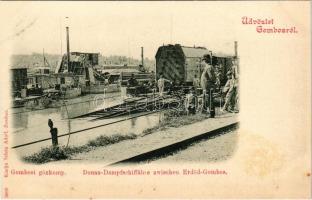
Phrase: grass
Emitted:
{"points": [[172, 118], [48, 154], [104, 140]]}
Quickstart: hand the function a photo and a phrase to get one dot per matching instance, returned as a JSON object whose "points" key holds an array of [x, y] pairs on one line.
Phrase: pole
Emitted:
{"points": [[220, 98], [68, 51], [43, 58], [61, 38], [142, 56], [235, 48], [171, 22], [68, 69], [236, 55]]}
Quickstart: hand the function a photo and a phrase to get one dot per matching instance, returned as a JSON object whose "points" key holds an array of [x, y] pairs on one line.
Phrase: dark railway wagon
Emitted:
{"points": [[182, 64]]}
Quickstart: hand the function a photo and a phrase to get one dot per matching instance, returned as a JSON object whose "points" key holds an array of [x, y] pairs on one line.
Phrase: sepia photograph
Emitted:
{"points": [[70, 103], [174, 99]]}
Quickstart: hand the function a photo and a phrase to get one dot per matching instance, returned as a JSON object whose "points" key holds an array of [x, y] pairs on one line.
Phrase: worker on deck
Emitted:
{"points": [[161, 84], [207, 82], [132, 82]]}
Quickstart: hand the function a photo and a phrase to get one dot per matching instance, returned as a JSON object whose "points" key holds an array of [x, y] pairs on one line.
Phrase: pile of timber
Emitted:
{"points": [[131, 106]]}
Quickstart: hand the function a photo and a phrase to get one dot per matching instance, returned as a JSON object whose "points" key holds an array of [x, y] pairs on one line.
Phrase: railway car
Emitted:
{"points": [[181, 64]]}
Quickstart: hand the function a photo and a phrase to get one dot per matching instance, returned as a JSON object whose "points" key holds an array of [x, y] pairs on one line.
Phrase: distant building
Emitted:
{"points": [[41, 77], [18, 78]]}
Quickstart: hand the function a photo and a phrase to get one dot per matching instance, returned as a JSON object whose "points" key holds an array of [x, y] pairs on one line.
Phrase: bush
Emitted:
{"points": [[174, 118], [174, 113], [61, 152], [47, 154], [104, 140]]}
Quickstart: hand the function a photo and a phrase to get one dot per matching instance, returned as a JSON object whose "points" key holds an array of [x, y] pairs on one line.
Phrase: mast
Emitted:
{"points": [[236, 55], [43, 57], [142, 56], [68, 51], [235, 48], [61, 38]]}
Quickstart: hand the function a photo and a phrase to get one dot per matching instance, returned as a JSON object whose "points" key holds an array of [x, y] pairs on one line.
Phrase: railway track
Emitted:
{"points": [[175, 147]]}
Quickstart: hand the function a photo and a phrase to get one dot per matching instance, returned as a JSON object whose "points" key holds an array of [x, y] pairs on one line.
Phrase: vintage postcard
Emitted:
{"points": [[174, 99]]}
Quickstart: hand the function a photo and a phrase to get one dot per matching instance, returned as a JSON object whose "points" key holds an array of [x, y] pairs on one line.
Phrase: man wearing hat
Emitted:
{"points": [[207, 82]]}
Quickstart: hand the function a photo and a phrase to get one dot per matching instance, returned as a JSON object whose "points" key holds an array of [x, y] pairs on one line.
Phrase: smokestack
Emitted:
{"points": [[68, 51], [142, 56], [235, 48]]}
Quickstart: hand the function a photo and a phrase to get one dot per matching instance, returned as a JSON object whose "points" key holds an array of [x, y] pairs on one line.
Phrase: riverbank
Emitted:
{"points": [[171, 129], [170, 119]]}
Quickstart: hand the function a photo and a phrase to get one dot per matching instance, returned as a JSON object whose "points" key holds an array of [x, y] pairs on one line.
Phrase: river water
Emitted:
{"points": [[32, 125]]}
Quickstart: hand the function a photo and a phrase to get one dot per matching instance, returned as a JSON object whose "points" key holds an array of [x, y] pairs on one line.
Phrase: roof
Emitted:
{"points": [[18, 67], [125, 66], [42, 68], [79, 53], [223, 55], [115, 71], [194, 52]]}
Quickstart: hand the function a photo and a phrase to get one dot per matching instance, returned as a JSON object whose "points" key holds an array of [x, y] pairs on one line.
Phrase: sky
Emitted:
{"points": [[118, 28]]}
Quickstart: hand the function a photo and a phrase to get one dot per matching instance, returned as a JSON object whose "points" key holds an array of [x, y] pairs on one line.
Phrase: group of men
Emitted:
{"points": [[209, 79]]}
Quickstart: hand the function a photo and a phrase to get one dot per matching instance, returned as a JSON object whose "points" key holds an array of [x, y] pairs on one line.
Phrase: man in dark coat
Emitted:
{"points": [[207, 82]]}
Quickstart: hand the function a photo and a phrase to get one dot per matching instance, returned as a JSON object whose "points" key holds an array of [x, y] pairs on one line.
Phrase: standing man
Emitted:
{"points": [[207, 82], [161, 84]]}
